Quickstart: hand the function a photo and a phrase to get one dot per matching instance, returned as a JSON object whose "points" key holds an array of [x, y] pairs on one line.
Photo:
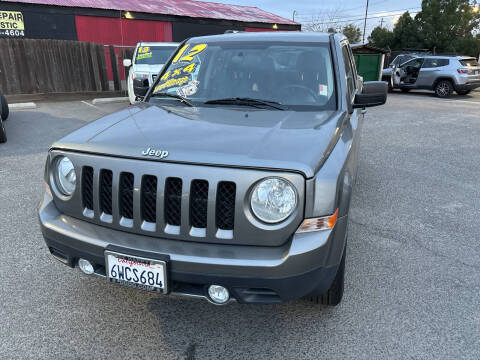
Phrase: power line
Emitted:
{"points": [[361, 15], [354, 20], [361, 7]]}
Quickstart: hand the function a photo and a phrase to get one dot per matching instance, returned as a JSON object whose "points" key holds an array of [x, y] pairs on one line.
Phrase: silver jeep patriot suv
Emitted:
{"points": [[231, 180]]}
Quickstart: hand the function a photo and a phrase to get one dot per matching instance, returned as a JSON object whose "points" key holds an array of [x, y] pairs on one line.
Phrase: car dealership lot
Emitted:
{"points": [[412, 273]]}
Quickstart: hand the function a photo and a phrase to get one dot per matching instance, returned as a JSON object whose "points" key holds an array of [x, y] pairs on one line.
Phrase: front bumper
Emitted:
{"points": [[253, 274]]}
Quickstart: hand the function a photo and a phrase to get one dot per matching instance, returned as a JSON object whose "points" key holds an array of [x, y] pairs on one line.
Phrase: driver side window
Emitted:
{"points": [[349, 72], [416, 63]]}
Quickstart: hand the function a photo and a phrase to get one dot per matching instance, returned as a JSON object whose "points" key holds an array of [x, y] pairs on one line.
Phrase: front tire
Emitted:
{"points": [[444, 89], [4, 111], [334, 295]]}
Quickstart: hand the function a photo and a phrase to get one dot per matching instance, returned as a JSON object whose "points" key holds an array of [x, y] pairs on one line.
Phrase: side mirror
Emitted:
{"points": [[127, 63], [140, 87], [374, 93]]}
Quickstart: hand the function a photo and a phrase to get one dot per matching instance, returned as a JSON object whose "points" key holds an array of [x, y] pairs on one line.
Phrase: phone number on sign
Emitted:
{"points": [[12, 32]]}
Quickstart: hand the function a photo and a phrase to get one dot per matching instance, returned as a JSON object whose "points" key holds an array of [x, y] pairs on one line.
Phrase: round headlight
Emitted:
{"points": [[65, 177], [273, 200]]}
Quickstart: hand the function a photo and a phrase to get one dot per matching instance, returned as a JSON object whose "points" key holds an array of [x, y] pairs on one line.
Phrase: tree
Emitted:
{"points": [[406, 33], [353, 33], [381, 38], [445, 24], [323, 23]]}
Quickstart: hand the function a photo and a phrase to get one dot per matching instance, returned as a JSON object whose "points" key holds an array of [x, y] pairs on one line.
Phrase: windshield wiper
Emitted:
{"points": [[173, 96], [247, 101]]}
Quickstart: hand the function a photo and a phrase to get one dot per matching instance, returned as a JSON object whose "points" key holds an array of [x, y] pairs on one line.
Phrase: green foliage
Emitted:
{"points": [[353, 33], [443, 25], [406, 33], [381, 37]]}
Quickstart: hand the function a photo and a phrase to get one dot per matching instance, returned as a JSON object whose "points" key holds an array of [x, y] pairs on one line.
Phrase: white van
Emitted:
{"points": [[148, 60]]}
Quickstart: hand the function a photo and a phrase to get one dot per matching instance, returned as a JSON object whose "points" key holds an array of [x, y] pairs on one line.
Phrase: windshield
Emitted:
{"points": [[297, 75], [153, 55]]}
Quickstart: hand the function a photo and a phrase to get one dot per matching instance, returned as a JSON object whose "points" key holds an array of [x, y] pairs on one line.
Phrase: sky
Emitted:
{"points": [[343, 11]]}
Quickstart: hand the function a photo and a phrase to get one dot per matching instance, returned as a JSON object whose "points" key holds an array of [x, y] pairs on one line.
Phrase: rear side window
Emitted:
{"points": [[434, 63], [349, 71], [469, 62]]}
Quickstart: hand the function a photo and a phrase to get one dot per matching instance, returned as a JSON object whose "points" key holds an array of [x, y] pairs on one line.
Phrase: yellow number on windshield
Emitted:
{"points": [[197, 49]]}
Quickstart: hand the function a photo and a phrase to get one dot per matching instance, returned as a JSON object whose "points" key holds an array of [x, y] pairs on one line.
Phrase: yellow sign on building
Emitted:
{"points": [[11, 23]]}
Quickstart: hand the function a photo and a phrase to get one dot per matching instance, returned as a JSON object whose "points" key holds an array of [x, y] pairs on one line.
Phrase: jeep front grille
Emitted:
{"points": [[174, 201], [160, 205]]}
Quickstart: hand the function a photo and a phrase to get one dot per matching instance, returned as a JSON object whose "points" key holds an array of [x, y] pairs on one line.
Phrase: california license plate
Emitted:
{"points": [[136, 272]]}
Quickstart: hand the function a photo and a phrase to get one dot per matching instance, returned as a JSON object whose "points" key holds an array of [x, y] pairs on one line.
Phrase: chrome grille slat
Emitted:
{"points": [[115, 197], [96, 193], [137, 212], [185, 209], [160, 205], [212, 192]]}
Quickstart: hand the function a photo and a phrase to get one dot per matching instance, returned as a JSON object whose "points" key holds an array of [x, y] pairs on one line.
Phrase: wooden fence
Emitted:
{"points": [[51, 66]]}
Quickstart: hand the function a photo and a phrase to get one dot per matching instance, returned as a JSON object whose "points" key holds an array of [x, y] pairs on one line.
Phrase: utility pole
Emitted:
{"points": [[365, 23], [381, 23]]}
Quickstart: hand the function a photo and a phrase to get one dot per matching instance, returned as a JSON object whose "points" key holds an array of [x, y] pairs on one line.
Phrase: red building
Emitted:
{"points": [[126, 22]]}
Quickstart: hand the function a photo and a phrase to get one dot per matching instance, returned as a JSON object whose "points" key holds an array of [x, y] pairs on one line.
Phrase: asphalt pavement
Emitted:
{"points": [[412, 271]]}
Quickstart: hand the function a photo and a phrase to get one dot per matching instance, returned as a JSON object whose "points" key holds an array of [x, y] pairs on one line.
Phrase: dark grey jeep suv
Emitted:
{"points": [[230, 181]]}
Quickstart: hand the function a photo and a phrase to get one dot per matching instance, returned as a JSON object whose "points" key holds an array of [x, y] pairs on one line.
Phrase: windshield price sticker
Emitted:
{"points": [[172, 83], [144, 56], [144, 53], [179, 71], [184, 56], [182, 74], [12, 24]]}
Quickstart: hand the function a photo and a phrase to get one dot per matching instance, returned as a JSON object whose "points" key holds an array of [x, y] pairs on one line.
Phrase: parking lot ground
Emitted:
{"points": [[412, 271]]}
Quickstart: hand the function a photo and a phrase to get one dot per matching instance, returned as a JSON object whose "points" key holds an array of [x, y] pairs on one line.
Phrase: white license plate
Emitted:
{"points": [[137, 272]]}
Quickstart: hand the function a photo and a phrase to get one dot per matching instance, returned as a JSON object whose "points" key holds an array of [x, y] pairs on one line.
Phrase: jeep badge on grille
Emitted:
{"points": [[158, 153]]}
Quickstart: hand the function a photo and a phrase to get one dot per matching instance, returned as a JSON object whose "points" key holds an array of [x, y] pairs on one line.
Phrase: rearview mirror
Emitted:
{"points": [[127, 63], [140, 87], [374, 93]]}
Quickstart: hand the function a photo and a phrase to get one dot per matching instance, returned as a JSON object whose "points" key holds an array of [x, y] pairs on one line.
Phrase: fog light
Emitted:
{"points": [[86, 266], [218, 294]]}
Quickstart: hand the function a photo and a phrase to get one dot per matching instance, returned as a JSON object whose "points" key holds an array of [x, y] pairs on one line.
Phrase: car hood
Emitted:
{"points": [[223, 136], [145, 68]]}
